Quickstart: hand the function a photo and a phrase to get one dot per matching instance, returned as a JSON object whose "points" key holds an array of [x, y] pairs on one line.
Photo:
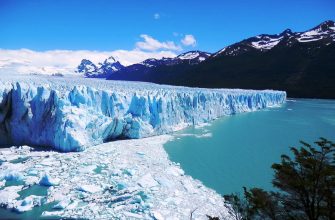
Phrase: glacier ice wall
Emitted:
{"points": [[71, 114]]}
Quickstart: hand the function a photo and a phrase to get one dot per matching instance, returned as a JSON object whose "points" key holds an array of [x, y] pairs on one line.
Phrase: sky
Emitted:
{"points": [[133, 30]]}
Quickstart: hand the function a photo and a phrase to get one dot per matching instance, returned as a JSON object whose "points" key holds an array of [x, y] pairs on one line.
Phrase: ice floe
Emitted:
{"points": [[135, 180]]}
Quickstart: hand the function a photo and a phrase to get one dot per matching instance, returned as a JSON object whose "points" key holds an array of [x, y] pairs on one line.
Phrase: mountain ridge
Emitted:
{"points": [[301, 63]]}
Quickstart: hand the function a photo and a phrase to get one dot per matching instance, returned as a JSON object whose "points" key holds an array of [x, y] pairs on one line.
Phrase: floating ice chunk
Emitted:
{"points": [[73, 205], [147, 181], [12, 175], [9, 194], [129, 172], [28, 203], [32, 172], [52, 214], [47, 180], [121, 186], [31, 180], [89, 188], [62, 204], [206, 135]]}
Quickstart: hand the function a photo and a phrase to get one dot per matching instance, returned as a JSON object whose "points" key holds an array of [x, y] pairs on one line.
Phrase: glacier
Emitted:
{"points": [[70, 114]]}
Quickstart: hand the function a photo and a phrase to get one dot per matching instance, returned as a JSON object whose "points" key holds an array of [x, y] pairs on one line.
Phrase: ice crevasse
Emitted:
{"points": [[71, 114]]}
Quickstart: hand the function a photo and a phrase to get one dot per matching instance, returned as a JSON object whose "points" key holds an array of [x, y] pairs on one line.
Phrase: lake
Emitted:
{"points": [[238, 150]]}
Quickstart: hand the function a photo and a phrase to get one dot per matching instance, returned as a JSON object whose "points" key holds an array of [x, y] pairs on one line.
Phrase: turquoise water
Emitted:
{"points": [[239, 150], [36, 212]]}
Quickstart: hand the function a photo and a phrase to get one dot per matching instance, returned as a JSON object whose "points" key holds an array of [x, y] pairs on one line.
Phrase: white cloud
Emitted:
{"points": [[157, 16], [189, 40], [152, 44], [65, 61]]}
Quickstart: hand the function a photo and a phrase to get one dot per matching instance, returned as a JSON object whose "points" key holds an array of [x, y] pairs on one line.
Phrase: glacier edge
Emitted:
{"points": [[72, 114]]}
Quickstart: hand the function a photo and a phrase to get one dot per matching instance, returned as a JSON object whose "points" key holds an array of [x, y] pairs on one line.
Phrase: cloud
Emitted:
{"points": [[189, 40], [157, 16], [65, 61], [151, 44]]}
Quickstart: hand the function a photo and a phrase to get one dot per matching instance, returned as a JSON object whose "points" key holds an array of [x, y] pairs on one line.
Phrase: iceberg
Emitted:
{"points": [[70, 114], [47, 180]]}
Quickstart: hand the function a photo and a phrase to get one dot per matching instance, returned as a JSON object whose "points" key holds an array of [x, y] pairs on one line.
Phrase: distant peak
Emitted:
{"points": [[287, 32], [110, 59], [326, 25], [193, 54], [86, 61]]}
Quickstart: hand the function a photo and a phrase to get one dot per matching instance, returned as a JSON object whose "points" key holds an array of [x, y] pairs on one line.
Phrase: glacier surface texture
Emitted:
{"points": [[70, 114]]}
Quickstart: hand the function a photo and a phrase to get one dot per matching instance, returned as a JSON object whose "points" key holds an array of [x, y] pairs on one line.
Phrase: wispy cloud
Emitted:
{"points": [[189, 40], [157, 16], [151, 44]]}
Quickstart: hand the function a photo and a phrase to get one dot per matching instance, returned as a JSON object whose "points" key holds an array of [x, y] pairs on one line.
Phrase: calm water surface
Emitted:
{"points": [[238, 150]]}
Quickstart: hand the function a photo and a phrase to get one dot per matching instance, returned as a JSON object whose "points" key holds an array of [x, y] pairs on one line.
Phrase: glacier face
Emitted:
{"points": [[70, 114]]}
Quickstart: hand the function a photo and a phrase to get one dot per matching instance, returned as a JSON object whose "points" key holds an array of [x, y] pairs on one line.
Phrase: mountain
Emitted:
{"points": [[113, 69], [301, 63], [87, 67], [102, 70], [145, 70], [323, 33]]}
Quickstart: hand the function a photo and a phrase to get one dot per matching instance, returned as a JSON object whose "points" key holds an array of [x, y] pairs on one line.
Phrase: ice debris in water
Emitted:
{"points": [[28, 203], [70, 114], [130, 186]]}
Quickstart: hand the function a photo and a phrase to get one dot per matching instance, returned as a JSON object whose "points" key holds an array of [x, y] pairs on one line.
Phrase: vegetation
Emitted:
{"points": [[305, 187]]}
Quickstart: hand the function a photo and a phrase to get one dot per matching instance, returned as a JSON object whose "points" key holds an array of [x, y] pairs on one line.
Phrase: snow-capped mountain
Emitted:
{"points": [[190, 57], [110, 65], [302, 63], [194, 57], [87, 67], [102, 70], [324, 32], [112, 69]]}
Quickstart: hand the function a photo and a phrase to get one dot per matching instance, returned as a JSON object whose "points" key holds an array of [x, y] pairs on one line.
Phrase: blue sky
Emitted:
{"points": [[111, 25]]}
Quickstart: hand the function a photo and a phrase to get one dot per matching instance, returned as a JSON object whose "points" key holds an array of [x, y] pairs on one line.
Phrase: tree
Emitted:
{"points": [[305, 184]]}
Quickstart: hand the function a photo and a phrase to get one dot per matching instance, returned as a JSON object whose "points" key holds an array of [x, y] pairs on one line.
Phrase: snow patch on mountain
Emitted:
{"points": [[195, 56], [325, 31]]}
